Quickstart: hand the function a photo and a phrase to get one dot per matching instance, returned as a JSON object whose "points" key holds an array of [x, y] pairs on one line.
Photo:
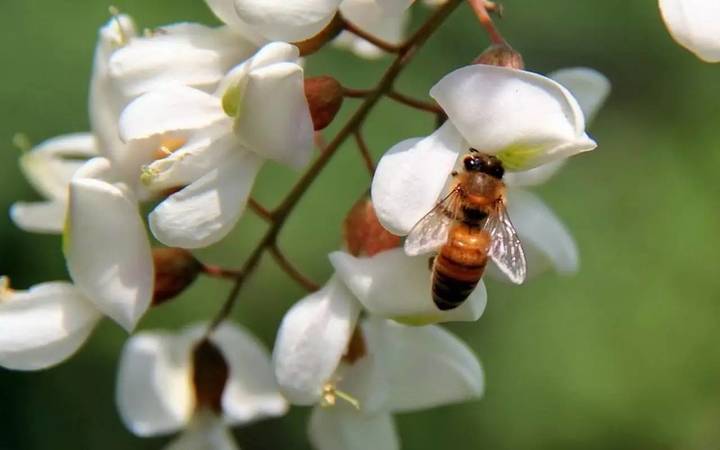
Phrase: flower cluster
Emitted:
{"points": [[183, 118]]}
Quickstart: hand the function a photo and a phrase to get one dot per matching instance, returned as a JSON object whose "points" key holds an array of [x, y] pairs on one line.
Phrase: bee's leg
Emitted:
{"points": [[431, 261], [474, 150]]}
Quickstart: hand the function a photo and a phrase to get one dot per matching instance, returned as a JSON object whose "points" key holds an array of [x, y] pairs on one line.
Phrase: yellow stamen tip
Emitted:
{"points": [[331, 393], [22, 141]]}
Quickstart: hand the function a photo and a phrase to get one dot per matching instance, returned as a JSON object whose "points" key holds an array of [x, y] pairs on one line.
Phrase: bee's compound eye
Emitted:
{"points": [[472, 164], [496, 170]]}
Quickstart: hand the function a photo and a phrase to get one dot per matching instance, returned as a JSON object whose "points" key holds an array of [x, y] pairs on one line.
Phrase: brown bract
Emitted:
{"points": [[325, 97], [210, 374], [501, 55], [315, 43], [363, 233], [357, 348], [175, 270]]}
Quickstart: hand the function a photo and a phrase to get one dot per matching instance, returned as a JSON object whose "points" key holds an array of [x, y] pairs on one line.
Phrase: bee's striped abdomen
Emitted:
{"points": [[459, 266]]}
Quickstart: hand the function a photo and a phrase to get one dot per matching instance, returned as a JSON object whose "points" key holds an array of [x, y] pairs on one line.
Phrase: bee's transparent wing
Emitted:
{"points": [[505, 248], [431, 232]]}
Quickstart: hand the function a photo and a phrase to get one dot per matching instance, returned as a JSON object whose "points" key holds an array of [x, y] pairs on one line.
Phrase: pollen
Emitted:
{"points": [[5, 291], [147, 175], [331, 394]]}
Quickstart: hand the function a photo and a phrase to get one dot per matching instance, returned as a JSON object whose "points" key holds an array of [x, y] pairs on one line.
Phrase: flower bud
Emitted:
{"points": [[363, 233], [315, 43], [501, 55], [175, 270], [210, 375], [325, 97]]}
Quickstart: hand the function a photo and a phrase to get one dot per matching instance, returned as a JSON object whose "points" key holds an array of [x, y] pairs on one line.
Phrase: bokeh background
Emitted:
{"points": [[622, 356]]}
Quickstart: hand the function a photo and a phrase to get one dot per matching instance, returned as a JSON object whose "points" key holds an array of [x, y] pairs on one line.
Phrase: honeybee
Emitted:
{"points": [[464, 228]]}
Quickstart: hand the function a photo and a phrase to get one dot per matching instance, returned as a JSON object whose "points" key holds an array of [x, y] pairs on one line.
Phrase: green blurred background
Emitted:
{"points": [[622, 356]]}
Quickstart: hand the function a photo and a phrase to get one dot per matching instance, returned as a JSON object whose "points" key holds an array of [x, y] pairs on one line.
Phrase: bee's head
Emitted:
{"points": [[487, 164]]}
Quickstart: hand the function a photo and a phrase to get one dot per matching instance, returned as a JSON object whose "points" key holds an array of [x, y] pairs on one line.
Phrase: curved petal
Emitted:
{"points": [[39, 217], [312, 338], [106, 247], [274, 52], [524, 118], [406, 353], [385, 20], [589, 87], [544, 237], [694, 25], [287, 20], [154, 391], [48, 167], [205, 432], [251, 392], [273, 117], [171, 108], [342, 428], [43, 326], [207, 210], [411, 176], [394, 285], [534, 176], [184, 53]]}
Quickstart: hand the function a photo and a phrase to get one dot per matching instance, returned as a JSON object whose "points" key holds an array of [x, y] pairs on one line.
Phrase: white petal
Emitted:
{"points": [[545, 239], [694, 25], [154, 386], [205, 432], [251, 392], [207, 210], [48, 167], [341, 428], [312, 338], [411, 176], [525, 118], [107, 250], [589, 87], [394, 285], [274, 52], [184, 53], [386, 22], [535, 176], [287, 20], [43, 326], [273, 118], [172, 108], [225, 11], [39, 217], [424, 367]]}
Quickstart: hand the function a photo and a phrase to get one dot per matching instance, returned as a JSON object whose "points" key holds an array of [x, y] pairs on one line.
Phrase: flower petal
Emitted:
{"points": [[48, 167], [411, 176], [251, 392], [694, 25], [171, 108], [287, 20], [535, 176], [43, 326], [106, 247], [184, 53], [589, 87], [273, 117], [208, 209], [154, 387], [39, 217], [524, 118], [406, 353], [205, 432], [312, 338], [274, 52], [342, 428], [394, 285], [385, 20], [545, 239]]}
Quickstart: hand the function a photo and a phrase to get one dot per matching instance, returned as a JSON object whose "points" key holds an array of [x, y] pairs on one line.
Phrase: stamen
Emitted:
{"points": [[5, 290], [331, 393], [147, 175], [115, 13], [22, 141], [168, 145]]}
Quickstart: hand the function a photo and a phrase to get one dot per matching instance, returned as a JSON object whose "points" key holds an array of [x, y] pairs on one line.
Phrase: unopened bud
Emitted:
{"points": [[175, 270], [210, 375], [501, 55], [325, 97], [315, 43], [363, 233]]}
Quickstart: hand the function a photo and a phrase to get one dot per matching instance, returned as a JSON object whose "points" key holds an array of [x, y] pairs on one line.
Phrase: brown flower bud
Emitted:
{"points": [[210, 375], [501, 55], [175, 270], [325, 97], [363, 233], [315, 43]]}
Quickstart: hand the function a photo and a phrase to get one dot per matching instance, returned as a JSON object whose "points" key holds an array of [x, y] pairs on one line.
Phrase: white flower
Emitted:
{"points": [[316, 363], [44, 325], [694, 24], [157, 386], [49, 168], [219, 142], [525, 119], [382, 19]]}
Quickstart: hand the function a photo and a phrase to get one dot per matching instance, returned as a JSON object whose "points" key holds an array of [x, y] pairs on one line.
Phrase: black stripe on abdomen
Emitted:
{"points": [[448, 292]]}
